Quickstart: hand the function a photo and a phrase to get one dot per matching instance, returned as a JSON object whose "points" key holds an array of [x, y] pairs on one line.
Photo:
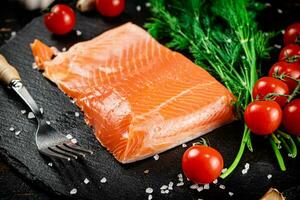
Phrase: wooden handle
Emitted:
{"points": [[7, 72]]}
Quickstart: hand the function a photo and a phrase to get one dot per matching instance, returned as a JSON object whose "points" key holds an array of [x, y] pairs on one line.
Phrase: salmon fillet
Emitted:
{"points": [[140, 97]]}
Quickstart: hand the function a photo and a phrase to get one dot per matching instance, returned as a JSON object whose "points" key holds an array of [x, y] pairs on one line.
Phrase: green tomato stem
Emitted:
{"points": [[275, 139], [249, 143], [288, 143], [246, 136], [278, 154]]}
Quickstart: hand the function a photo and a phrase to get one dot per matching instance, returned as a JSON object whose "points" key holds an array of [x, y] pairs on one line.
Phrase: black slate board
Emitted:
{"points": [[123, 181]]}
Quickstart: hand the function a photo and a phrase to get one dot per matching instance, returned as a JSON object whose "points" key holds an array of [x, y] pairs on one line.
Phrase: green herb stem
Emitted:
{"points": [[288, 143], [277, 154]]}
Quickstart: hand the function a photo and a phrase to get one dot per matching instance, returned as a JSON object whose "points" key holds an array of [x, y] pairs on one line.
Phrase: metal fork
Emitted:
{"points": [[49, 141]]}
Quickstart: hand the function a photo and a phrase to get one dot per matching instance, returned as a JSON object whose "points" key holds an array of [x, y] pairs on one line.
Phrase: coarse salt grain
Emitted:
{"points": [[76, 114], [206, 187], [200, 189], [31, 115], [17, 132], [42, 110], [146, 171], [138, 8], [69, 136], [73, 191], [244, 171], [222, 187], [11, 128], [74, 141], [215, 181], [194, 186], [184, 145], [167, 191], [86, 181], [180, 184], [179, 175], [156, 157], [48, 122], [64, 49], [149, 190], [78, 33], [268, 4], [282, 31], [278, 46], [13, 34], [269, 176], [103, 180], [247, 166], [163, 187], [149, 197], [72, 101], [23, 112], [34, 66], [148, 4], [50, 164], [279, 11], [230, 193]]}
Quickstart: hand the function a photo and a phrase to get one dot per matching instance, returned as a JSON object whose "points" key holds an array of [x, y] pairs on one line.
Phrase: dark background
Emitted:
{"points": [[13, 17]]}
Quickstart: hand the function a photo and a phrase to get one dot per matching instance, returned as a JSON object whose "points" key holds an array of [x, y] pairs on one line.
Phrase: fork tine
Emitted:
{"points": [[59, 151], [72, 151], [77, 148], [50, 153]]}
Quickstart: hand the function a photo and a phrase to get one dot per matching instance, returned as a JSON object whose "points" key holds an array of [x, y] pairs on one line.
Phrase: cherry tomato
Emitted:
{"points": [[289, 69], [263, 117], [291, 116], [292, 34], [202, 164], [60, 20], [266, 85], [110, 8], [289, 52]]}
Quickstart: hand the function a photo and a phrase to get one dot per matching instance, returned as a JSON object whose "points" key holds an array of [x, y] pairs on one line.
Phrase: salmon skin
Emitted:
{"points": [[140, 97]]}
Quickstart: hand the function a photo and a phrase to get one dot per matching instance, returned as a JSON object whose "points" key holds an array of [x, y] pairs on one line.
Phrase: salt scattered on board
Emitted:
{"points": [[184, 145], [64, 49], [200, 188], [48, 122], [50, 164], [17, 132], [149, 196], [206, 186], [149, 190], [73, 191], [138, 8], [103, 180], [76, 114], [69, 136], [11, 129], [146, 171], [279, 11], [269, 176], [215, 181], [194, 186], [31, 115], [180, 184], [74, 141], [163, 187], [278, 46], [148, 4], [222, 187], [42, 110], [230, 193], [156, 157], [78, 33], [23, 112], [86, 181]]}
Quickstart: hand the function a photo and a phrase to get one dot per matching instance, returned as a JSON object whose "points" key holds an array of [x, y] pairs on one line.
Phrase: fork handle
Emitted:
{"points": [[7, 72]]}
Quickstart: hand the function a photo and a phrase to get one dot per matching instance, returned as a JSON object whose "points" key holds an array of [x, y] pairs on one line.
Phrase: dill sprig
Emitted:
{"points": [[223, 37]]}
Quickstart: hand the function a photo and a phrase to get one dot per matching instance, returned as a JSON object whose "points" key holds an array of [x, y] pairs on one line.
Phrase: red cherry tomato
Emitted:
{"points": [[266, 85], [289, 52], [291, 116], [202, 164], [290, 69], [263, 117], [292, 34], [110, 8], [60, 20]]}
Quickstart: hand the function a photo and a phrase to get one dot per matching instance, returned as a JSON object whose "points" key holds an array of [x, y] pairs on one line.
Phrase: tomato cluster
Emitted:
{"points": [[275, 97]]}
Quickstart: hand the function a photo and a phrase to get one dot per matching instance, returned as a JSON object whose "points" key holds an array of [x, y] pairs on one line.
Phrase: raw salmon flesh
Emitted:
{"points": [[140, 97]]}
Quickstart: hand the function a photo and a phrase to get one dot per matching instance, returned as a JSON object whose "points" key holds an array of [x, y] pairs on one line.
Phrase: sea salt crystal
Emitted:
{"points": [[13, 34], [148, 4], [64, 49], [72, 101], [167, 191], [42, 110], [48, 122], [243, 57], [282, 31], [278, 46], [11, 128], [184, 145], [17, 132], [149, 190], [200, 189], [279, 11], [269, 176], [180, 184], [215, 181], [31, 115], [150, 197], [222, 187], [179, 175], [206, 187], [23, 112], [50, 164], [230, 193], [34, 66], [73, 191], [146, 171], [138, 8], [156, 157], [244, 171], [69, 136], [76, 114], [103, 180], [78, 33], [163, 187], [86, 181], [74, 141], [247, 166], [194, 186], [268, 4]]}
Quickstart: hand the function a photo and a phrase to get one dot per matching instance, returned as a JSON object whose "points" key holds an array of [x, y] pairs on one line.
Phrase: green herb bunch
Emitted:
{"points": [[223, 37]]}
